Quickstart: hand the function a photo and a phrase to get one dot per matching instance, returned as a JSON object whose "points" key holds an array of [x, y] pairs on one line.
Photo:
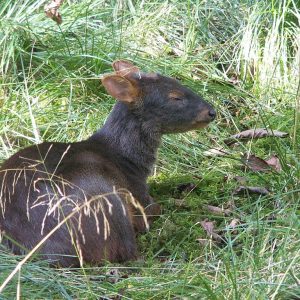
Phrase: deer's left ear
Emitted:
{"points": [[121, 88], [124, 68]]}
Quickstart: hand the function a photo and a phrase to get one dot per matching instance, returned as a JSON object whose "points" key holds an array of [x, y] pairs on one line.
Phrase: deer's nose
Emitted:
{"points": [[212, 114]]}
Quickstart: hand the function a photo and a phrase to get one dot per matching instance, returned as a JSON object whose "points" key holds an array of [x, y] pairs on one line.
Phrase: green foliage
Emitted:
{"points": [[242, 55]]}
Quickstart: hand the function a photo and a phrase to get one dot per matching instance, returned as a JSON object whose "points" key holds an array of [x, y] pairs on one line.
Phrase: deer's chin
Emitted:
{"points": [[188, 127], [199, 125]]}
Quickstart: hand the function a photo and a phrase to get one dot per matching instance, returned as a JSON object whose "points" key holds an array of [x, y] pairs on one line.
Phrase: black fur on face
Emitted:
{"points": [[168, 106]]}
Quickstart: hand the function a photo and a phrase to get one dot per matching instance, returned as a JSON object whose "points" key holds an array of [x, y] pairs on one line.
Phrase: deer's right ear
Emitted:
{"points": [[120, 88]]}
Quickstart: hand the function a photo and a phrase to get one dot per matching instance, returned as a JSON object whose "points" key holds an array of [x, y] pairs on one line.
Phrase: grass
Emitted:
{"points": [[242, 55]]}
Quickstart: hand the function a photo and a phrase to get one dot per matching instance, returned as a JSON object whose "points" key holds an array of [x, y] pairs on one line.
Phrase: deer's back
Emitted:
{"points": [[43, 184]]}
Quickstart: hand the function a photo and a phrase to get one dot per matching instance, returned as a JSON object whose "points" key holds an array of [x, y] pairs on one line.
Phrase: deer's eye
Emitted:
{"points": [[176, 99], [176, 96]]}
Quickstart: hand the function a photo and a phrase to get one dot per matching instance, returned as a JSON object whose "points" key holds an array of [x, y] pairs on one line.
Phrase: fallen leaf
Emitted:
{"points": [[217, 210], [258, 164], [208, 226], [254, 134], [274, 162], [51, 10], [255, 163], [251, 190], [234, 223]]}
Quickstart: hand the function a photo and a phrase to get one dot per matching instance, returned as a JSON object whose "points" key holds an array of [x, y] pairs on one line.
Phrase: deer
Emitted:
{"points": [[96, 189]]}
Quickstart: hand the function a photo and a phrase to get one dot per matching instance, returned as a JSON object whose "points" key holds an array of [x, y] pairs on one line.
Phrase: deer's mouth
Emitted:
{"points": [[199, 124], [187, 127]]}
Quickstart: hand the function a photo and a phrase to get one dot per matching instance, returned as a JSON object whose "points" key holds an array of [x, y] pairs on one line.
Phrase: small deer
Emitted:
{"points": [[91, 197]]}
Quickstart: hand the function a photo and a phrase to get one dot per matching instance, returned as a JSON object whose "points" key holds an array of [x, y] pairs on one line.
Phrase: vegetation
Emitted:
{"points": [[244, 57]]}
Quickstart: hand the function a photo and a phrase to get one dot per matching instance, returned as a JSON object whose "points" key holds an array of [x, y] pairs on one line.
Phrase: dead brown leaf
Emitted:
{"points": [[255, 163], [258, 164], [274, 162], [255, 134], [208, 226], [51, 10], [217, 210], [252, 190], [234, 223]]}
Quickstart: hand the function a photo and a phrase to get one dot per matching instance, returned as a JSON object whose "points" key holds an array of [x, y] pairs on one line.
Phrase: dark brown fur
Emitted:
{"points": [[99, 174]]}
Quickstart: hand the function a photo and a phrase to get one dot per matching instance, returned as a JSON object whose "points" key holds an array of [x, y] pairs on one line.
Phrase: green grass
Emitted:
{"points": [[243, 56]]}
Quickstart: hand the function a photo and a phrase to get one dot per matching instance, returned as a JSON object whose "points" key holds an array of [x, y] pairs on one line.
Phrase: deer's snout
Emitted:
{"points": [[212, 114], [206, 115]]}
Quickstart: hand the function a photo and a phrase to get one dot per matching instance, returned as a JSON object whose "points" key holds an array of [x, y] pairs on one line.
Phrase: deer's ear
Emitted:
{"points": [[120, 88], [124, 68]]}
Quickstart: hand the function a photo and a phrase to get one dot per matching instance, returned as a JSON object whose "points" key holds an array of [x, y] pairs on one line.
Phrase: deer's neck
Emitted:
{"points": [[134, 140]]}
